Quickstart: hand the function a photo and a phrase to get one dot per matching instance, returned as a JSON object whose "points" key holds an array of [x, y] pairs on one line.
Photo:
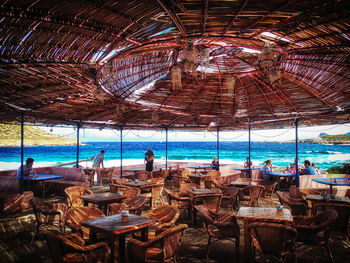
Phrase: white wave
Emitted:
{"points": [[339, 157]]}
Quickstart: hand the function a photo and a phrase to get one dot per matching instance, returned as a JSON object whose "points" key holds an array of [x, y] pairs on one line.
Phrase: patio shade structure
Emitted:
{"points": [[237, 63]]}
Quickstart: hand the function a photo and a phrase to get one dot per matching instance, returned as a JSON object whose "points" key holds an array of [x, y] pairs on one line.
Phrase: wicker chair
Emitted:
{"points": [[165, 173], [309, 229], [272, 240], [251, 193], [162, 248], [72, 248], [181, 199], [128, 192], [134, 205], [178, 180], [298, 206], [229, 198], [210, 201], [165, 215], [219, 227], [106, 173], [76, 215], [90, 174], [142, 175], [269, 189], [73, 194], [47, 214], [341, 224]]}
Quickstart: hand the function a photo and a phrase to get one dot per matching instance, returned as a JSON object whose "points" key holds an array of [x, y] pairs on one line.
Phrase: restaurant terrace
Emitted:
{"points": [[174, 65]]}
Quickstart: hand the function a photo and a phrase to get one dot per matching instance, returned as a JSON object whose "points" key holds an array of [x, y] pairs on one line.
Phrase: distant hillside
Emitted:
{"points": [[334, 139], [10, 135]]}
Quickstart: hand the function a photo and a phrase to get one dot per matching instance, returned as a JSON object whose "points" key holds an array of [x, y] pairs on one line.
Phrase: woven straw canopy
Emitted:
{"points": [[110, 63]]}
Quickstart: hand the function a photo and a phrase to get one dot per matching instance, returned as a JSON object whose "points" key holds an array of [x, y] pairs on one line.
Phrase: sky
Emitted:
{"points": [[288, 134]]}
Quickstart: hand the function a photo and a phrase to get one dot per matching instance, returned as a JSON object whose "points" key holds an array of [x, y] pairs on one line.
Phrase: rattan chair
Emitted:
{"points": [[134, 205], [165, 215], [272, 241], [162, 248], [229, 198], [269, 189], [210, 201], [72, 248], [128, 192], [251, 193], [48, 214], [142, 175], [181, 199], [76, 215], [298, 206], [90, 174], [309, 229], [73, 194], [106, 173], [219, 227], [341, 224]]}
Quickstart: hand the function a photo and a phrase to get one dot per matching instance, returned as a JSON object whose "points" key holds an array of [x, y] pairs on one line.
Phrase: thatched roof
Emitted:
{"points": [[54, 56]]}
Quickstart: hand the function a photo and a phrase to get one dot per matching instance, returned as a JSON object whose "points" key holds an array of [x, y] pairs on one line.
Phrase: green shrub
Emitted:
{"points": [[344, 169]]}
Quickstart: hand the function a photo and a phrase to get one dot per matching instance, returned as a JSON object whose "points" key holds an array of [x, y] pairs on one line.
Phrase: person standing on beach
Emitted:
{"points": [[98, 160], [27, 168], [149, 158]]}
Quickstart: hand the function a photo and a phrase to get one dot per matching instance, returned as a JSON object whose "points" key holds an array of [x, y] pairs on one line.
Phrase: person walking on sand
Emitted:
{"points": [[98, 161]]}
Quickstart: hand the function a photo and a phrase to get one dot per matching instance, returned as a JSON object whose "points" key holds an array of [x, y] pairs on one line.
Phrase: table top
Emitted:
{"points": [[282, 174], [106, 197], [333, 181], [200, 191], [42, 177], [235, 183], [113, 224], [265, 214], [138, 183], [136, 169], [204, 166], [199, 175], [246, 168], [327, 198]]}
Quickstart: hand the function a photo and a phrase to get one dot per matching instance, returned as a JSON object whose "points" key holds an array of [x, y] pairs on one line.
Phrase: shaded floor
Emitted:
{"points": [[16, 232]]}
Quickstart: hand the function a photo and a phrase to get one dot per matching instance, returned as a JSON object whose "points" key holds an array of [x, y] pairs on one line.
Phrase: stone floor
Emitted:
{"points": [[16, 231]]}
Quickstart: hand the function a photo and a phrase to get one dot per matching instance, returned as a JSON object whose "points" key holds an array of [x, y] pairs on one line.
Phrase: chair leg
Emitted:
{"points": [[237, 249], [330, 255], [207, 250]]}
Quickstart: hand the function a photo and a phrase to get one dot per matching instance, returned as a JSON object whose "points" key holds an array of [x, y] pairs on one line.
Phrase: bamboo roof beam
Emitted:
{"points": [[283, 5], [204, 16], [173, 17], [294, 78], [263, 93], [230, 24]]}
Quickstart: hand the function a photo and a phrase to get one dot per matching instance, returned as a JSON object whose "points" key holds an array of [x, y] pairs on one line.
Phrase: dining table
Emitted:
{"points": [[203, 167], [343, 181], [260, 214], [280, 175], [41, 178], [102, 200], [117, 229], [245, 170], [325, 199], [199, 178]]}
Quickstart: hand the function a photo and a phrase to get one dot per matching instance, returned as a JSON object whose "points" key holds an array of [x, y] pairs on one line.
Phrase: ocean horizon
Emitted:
{"points": [[281, 153]]}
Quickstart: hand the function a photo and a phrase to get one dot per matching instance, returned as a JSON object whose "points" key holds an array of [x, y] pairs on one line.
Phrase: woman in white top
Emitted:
{"points": [[267, 170]]}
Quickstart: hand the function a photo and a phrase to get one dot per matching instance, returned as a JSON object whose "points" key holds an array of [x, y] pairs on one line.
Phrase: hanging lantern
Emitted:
{"points": [[190, 58], [274, 76], [110, 72], [176, 77], [205, 57], [155, 116], [230, 85], [120, 109]]}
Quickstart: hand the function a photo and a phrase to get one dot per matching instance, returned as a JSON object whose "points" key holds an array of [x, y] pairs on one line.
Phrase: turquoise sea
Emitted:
{"points": [[281, 154]]}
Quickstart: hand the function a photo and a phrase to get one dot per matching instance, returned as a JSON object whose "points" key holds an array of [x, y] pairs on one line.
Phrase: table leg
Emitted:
{"points": [[247, 248], [43, 189], [121, 249], [86, 203], [331, 189], [144, 234], [278, 183]]}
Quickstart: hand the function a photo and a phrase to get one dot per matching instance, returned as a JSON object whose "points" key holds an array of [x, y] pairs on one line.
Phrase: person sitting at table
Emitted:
{"points": [[309, 170], [27, 168], [149, 159], [293, 165], [246, 164], [313, 164], [267, 170], [215, 164]]}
